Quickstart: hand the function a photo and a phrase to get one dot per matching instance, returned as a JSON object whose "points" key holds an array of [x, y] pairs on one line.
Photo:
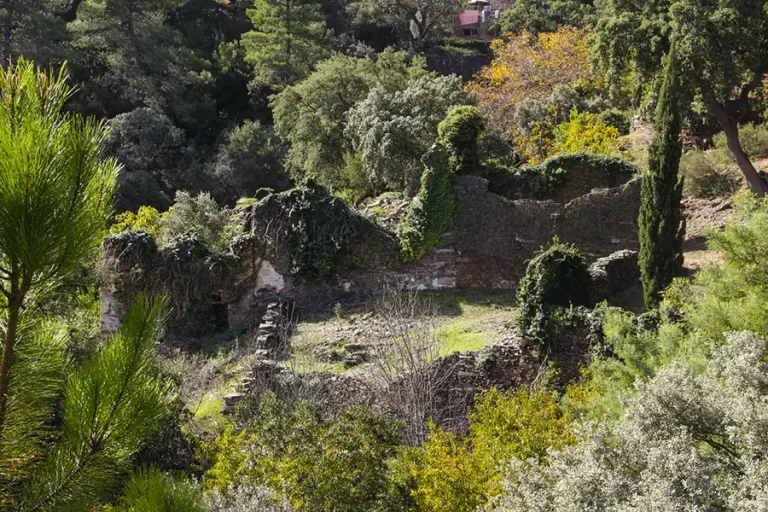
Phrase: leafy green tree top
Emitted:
{"points": [[543, 16], [415, 20], [312, 114], [722, 53], [288, 38]]}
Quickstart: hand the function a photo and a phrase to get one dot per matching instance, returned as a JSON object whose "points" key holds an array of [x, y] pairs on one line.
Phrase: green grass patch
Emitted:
{"points": [[458, 339]]}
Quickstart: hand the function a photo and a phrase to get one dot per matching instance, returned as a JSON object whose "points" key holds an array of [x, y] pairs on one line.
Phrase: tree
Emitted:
{"points": [[529, 67], [722, 51], [127, 55], [251, 158], [660, 224], [543, 16], [393, 129], [31, 28], [55, 195], [312, 114], [288, 38], [112, 404], [415, 20], [152, 151]]}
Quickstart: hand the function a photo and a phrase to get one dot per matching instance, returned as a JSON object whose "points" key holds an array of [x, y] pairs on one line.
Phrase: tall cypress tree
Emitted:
{"points": [[661, 224]]}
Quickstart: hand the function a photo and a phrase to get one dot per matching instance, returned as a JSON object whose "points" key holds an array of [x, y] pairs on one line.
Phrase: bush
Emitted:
{"points": [[315, 464], [197, 216], [539, 182], [556, 277], [690, 440], [703, 177], [459, 132], [585, 133], [430, 212], [753, 138], [454, 475]]}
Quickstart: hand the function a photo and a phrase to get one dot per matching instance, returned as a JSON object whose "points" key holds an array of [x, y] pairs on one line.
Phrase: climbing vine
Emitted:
{"points": [[431, 210], [322, 231]]}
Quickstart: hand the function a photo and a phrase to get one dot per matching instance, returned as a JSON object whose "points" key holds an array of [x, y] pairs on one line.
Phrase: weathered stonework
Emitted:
{"points": [[490, 243]]}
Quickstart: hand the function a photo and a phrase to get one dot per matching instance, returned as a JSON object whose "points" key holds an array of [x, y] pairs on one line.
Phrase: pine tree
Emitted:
{"points": [[661, 224], [288, 38]]}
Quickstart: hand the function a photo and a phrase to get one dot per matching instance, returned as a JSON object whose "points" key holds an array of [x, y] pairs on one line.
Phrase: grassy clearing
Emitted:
{"points": [[462, 321]]}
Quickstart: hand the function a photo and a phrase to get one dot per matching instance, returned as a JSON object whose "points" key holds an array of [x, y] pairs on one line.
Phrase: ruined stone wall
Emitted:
{"points": [[488, 247], [497, 236]]}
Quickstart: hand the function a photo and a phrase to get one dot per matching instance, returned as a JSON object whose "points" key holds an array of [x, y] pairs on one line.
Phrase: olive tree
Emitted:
{"points": [[722, 51]]}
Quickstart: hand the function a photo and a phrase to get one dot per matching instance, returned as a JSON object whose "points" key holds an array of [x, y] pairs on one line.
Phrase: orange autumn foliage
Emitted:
{"points": [[529, 66]]}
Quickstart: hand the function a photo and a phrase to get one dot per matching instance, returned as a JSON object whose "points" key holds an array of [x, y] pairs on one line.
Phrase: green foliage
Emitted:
{"points": [[152, 150], [543, 16], [538, 182], [312, 114], [393, 129], [459, 133], [753, 138], [430, 212], [449, 474], [733, 295], [321, 228], [130, 54], [282, 449], [288, 38], [54, 197], [415, 22], [112, 403], [661, 225], [719, 62], [198, 217], [690, 439], [585, 133], [251, 158], [702, 176], [147, 219], [149, 490], [556, 277]]}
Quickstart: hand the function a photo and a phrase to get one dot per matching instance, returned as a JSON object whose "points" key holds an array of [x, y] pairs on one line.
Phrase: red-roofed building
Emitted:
{"points": [[474, 22]]}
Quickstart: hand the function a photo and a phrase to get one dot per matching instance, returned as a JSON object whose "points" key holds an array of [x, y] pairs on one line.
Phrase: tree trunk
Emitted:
{"points": [[755, 182], [9, 345], [730, 127]]}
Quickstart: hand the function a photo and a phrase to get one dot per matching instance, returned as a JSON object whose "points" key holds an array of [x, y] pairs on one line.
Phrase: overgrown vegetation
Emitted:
{"points": [[556, 278]]}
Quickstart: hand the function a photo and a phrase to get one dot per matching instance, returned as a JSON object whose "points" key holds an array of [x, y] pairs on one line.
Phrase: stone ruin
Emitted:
{"points": [[490, 241]]}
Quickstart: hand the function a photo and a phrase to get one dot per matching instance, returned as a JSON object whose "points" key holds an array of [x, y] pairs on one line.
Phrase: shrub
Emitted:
{"points": [[197, 216], [538, 182], [314, 463], [585, 133], [430, 212], [459, 132], [689, 440], [734, 295], [703, 177], [147, 219], [556, 277], [454, 475], [753, 139]]}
